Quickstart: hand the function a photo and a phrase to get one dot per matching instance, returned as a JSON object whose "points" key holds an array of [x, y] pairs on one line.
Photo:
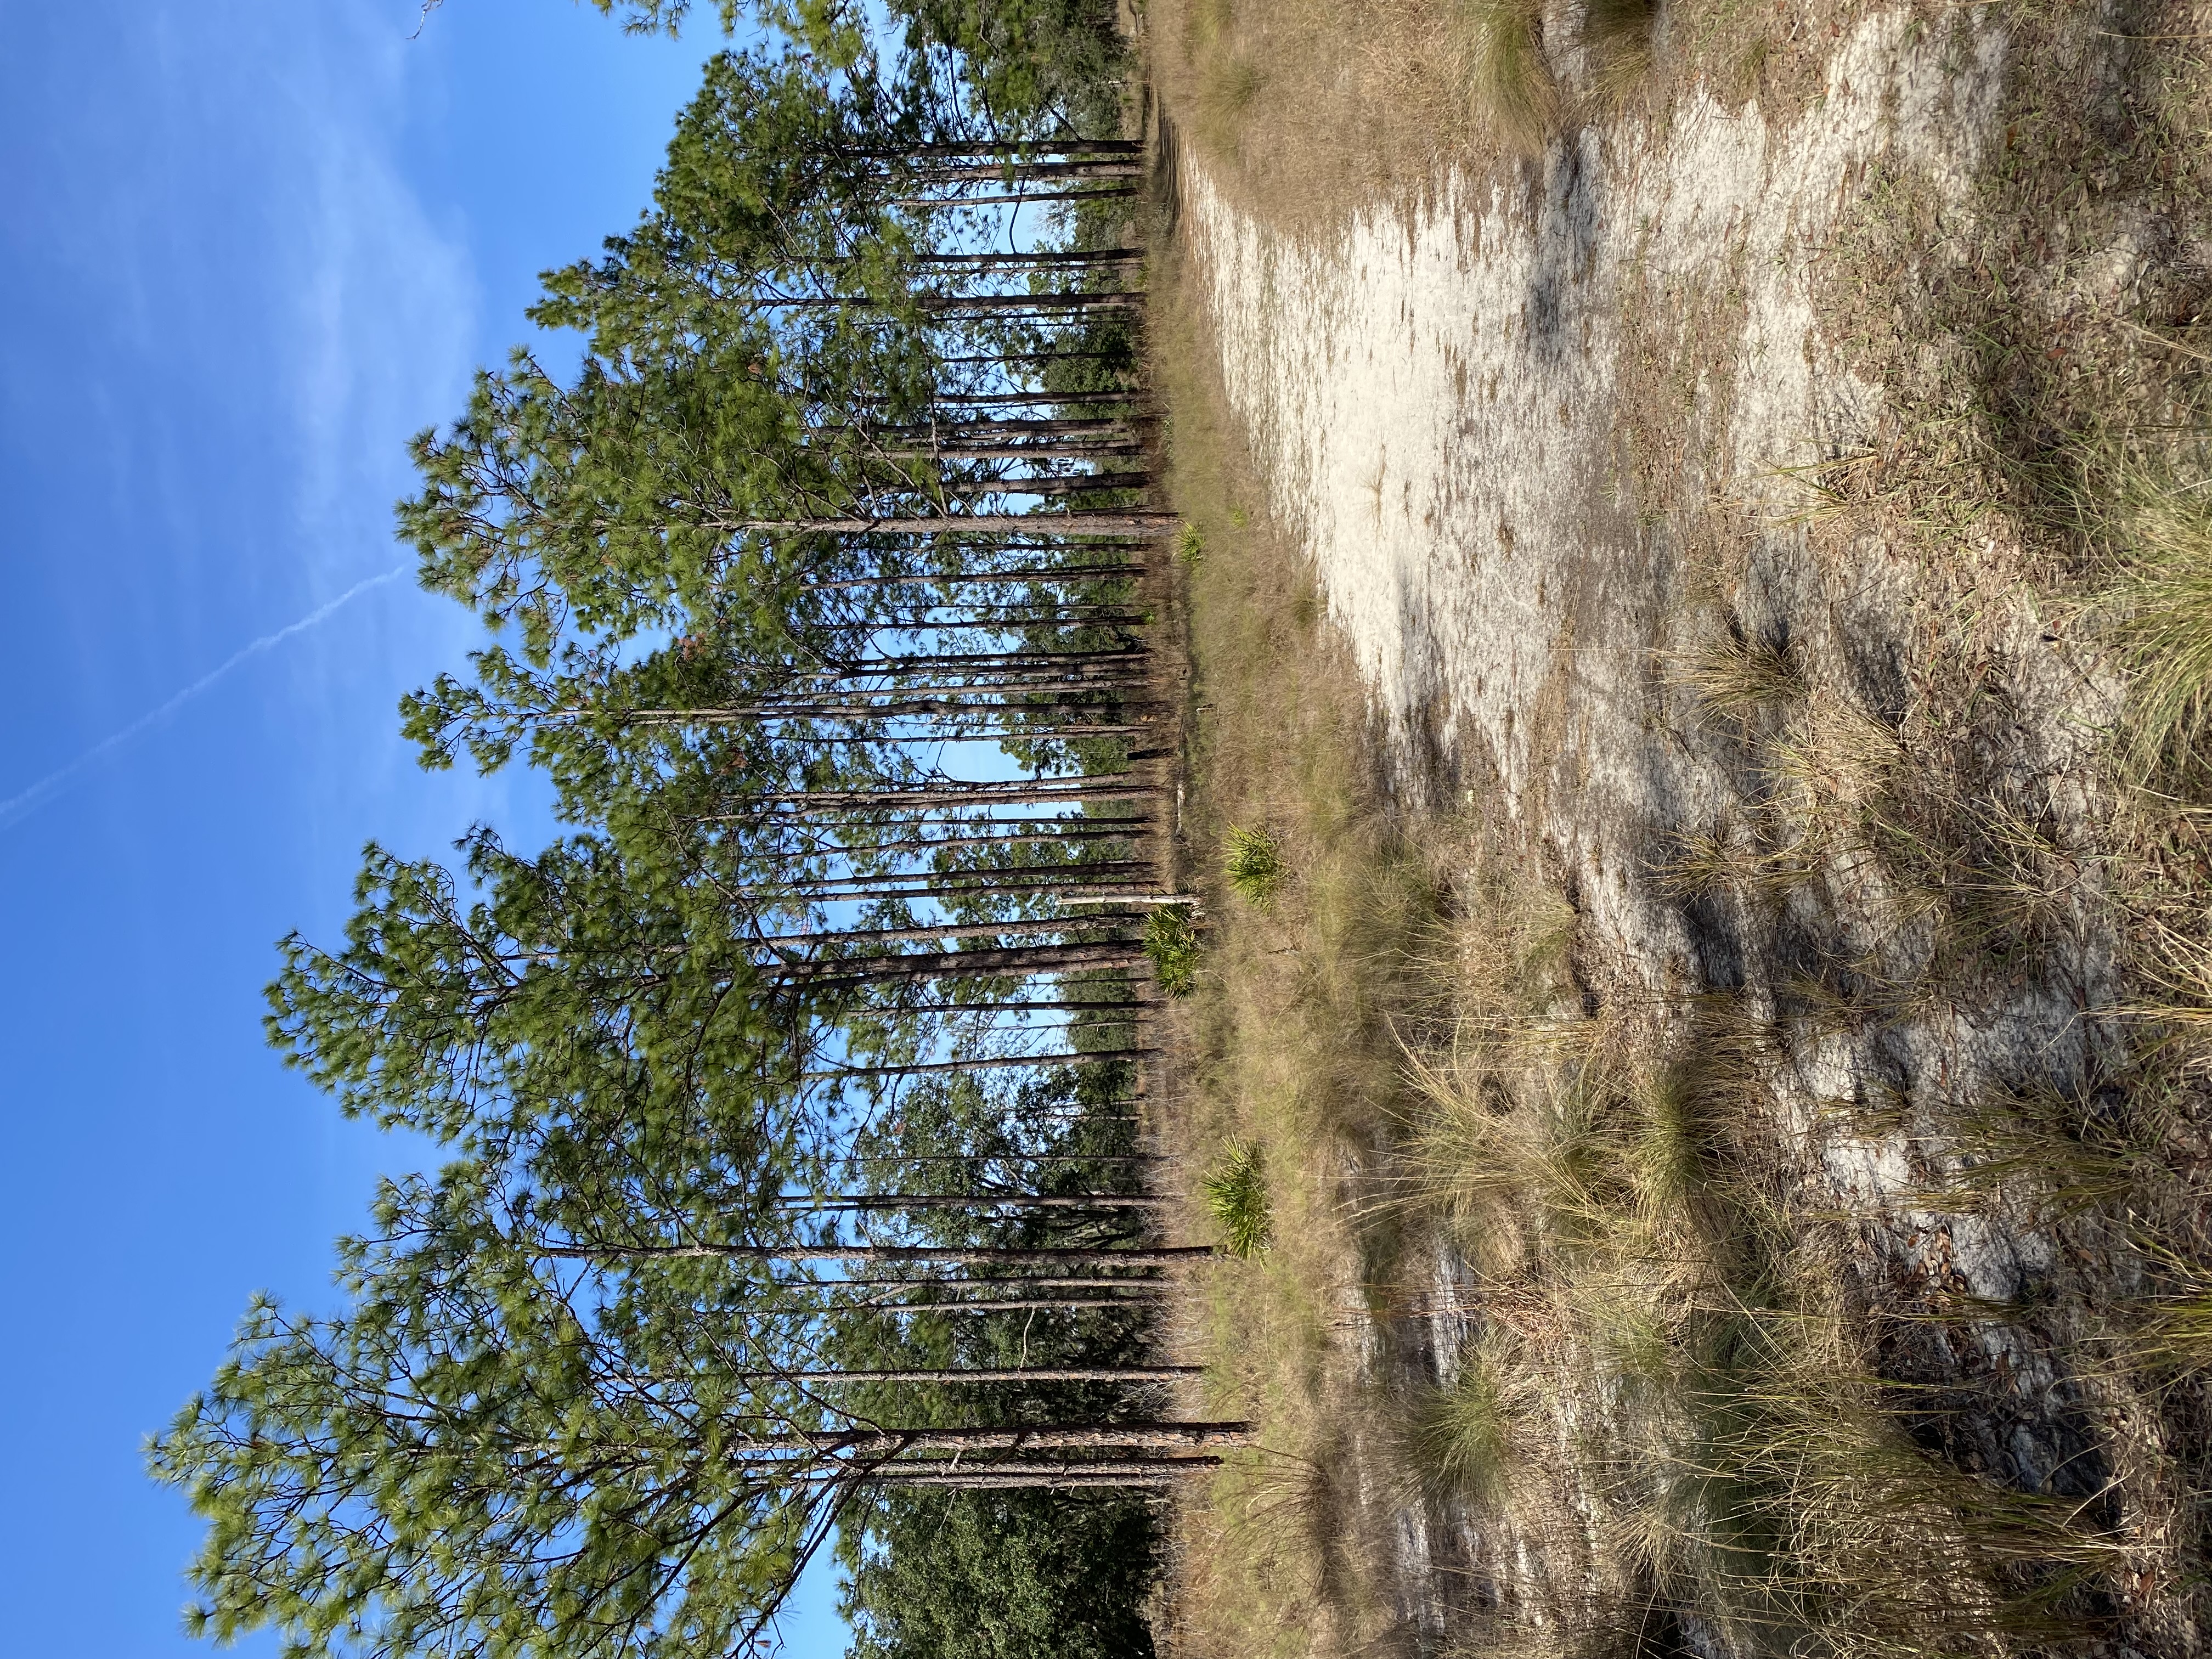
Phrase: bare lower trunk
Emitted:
{"points": [[1009, 1374], [894, 1201], [1142, 1436], [990, 1063]]}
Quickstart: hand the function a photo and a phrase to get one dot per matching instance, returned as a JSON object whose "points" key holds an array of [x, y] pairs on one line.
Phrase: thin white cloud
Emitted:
{"points": [[379, 324], [378, 314], [19, 806]]}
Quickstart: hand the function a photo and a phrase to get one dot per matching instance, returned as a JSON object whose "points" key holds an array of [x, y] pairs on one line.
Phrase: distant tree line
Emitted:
{"points": [[790, 1101]]}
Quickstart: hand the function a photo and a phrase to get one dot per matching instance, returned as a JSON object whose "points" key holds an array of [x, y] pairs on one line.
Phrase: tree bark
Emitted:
{"points": [[948, 1254], [1059, 524], [918, 967], [897, 1201], [991, 1063], [1007, 1374], [1143, 1435]]}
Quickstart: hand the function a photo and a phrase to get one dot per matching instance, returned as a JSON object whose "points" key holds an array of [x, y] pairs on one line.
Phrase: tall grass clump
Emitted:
{"points": [[2173, 1325], [1255, 866], [1733, 675], [1228, 81], [1630, 1217], [1617, 33], [1798, 1517], [1679, 1133], [2158, 611], [1236, 1195], [1172, 943], [2178, 1330], [1503, 43], [1459, 1437]]}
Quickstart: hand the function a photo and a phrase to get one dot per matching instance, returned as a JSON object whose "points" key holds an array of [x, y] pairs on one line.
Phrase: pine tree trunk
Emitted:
{"points": [[1142, 1435], [897, 1201], [1006, 1374], [949, 1254], [990, 1063]]}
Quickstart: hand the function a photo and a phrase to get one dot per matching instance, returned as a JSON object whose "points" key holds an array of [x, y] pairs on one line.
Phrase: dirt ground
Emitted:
{"points": [[1698, 489]]}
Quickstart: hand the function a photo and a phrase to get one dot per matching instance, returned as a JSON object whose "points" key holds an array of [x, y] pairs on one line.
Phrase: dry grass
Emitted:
{"points": [[1755, 1473], [1306, 109], [1828, 772], [2158, 611], [1618, 36], [1291, 1050], [1735, 676], [1502, 42], [1661, 1323], [1674, 1405], [2174, 1325]]}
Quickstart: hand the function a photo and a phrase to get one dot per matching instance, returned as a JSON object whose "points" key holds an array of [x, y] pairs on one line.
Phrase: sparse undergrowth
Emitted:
{"points": [[1308, 109], [1171, 943], [1721, 1385], [1236, 1197], [1254, 865], [1676, 1333], [1292, 1056]]}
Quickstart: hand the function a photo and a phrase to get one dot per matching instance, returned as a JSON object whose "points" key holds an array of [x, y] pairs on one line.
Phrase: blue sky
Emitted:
{"points": [[248, 246]]}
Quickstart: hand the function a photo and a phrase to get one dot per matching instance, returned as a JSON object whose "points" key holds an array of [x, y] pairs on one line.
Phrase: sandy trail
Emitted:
{"points": [[1435, 399]]}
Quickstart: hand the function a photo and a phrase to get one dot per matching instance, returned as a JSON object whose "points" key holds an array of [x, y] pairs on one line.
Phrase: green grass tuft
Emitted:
{"points": [[1190, 547], [1618, 35], [1236, 1198], [1459, 1437], [1256, 865], [1171, 942], [1511, 75], [1681, 1129], [2160, 608], [2178, 1333]]}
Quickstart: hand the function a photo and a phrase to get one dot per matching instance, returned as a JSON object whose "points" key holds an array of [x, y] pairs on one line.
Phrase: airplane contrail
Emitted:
{"points": [[16, 807]]}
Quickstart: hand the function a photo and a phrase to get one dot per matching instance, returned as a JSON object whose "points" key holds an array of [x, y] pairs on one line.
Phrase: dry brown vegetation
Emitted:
{"points": [[1291, 1050], [1307, 109], [1562, 1280]]}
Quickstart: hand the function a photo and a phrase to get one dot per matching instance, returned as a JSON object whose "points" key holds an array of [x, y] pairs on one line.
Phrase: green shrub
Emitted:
{"points": [[1171, 942], [1236, 1198], [1255, 864]]}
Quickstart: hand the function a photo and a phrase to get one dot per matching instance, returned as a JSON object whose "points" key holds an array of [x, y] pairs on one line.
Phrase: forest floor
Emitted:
{"points": [[1693, 515]]}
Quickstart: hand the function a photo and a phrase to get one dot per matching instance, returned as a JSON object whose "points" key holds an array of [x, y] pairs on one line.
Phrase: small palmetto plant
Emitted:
{"points": [[1256, 865], [1235, 1195], [1171, 942]]}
